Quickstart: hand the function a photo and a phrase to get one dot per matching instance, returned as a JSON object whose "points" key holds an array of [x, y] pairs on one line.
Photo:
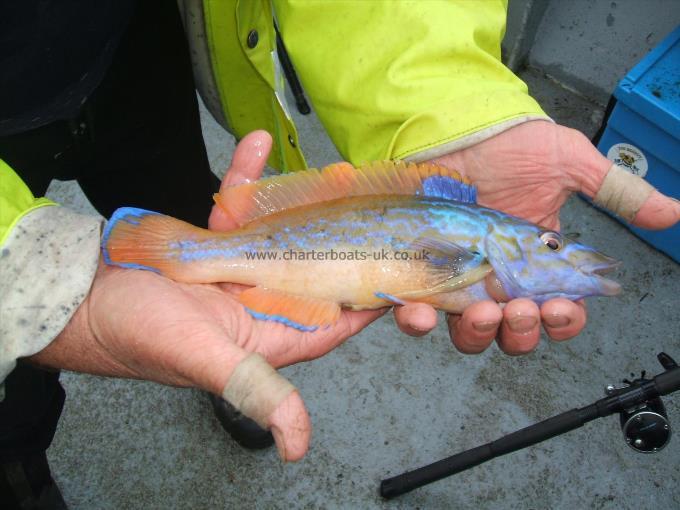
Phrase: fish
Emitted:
{"points": [[314, 242]]}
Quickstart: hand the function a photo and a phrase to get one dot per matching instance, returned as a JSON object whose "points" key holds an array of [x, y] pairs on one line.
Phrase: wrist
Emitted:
{"points": [[77, 348]]}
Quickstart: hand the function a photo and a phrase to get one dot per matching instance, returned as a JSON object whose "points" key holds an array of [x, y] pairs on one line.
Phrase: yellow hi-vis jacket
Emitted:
{"points": [[388, 79]]}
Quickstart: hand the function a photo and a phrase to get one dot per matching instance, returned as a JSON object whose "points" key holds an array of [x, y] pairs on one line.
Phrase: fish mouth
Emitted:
{"points": [[597, 269]]}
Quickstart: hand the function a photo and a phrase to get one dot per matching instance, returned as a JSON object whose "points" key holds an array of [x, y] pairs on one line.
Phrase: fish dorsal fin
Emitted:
{"points": [[247, 202]]}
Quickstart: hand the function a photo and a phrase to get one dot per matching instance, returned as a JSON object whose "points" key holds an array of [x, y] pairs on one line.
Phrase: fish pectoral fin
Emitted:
{"points": [[449, 267], [451, 284], [443, 253], [303, 313]]}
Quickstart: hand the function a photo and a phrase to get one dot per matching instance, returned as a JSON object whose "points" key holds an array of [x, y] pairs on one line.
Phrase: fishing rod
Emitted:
{"points": [[643, 420]]}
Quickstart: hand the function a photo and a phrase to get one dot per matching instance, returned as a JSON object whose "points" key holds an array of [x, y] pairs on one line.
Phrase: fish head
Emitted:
{"points": [[542, 264]]}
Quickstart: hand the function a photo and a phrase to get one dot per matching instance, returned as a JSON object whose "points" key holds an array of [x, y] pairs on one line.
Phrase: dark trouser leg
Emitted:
{"points": [[33, 397], [28, 419], [33, 403], [150, 153], [137, 142], [148, 148]]}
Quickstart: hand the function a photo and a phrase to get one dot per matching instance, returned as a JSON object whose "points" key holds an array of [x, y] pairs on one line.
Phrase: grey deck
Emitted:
{"points": [[383, 402]]}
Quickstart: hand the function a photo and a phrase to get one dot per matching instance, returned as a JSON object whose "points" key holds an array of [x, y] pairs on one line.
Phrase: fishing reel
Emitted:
{"points": [[645, 425]]}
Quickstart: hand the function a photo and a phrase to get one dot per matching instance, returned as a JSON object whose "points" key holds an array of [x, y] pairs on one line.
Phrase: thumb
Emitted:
{"points": [[263, 395], [636, 201], [291, 428], [657, 212], [247, 164], [618, 190], [249, 158]]}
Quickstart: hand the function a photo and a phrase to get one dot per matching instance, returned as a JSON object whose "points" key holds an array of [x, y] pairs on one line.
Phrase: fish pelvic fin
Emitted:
{"points": [[140, 239], [247, 202], [301, 313]]}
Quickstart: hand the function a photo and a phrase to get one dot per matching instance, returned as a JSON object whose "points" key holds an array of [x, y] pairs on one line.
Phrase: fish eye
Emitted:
{"points": [[552, 240]]}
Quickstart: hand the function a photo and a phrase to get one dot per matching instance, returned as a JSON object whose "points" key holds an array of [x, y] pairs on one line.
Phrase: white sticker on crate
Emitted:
{"points": [[629, 158]]}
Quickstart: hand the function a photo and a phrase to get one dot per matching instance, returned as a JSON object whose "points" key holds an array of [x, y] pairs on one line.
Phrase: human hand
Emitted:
{"points": [[528, 171], [140, 325]]}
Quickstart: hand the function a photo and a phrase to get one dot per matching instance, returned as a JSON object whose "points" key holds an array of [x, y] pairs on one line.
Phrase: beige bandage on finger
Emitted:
{"points": [[623, 193], [256, 389]]}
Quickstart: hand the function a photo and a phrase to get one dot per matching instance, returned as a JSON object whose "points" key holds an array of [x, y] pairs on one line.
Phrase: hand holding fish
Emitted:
{"points": [[332, 224], [137, 324], [529, 171], [199, 334]]}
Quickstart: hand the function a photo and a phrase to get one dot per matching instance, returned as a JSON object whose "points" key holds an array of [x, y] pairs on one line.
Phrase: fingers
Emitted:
{"points": [[291, 428], [247, 164], [520, 331], [474, 330], [415, 319], [635, 200], [251, 385], [517, 327], [563, 319]]}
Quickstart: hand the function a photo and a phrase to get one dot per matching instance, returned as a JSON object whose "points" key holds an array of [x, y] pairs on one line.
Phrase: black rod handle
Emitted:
{"points": [[668, 382], [406, 482]]}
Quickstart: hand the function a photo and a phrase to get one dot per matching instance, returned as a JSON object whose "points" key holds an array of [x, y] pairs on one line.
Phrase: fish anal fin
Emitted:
{"points": [[247, 202], [302, 313]]}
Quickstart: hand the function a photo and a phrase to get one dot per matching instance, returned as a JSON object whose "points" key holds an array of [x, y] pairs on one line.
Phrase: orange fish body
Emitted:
{"points": [[314, 242]]}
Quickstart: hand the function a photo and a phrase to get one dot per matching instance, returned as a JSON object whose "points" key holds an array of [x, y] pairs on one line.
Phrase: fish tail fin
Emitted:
{"points": [[139, 239]]}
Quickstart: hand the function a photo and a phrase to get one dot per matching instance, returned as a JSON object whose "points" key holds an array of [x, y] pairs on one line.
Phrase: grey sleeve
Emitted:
{"points": [[47, 265]]}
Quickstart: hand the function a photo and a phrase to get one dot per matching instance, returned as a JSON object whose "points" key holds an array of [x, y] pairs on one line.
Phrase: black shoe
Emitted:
{"points": [[242, 429], [27, 483]]}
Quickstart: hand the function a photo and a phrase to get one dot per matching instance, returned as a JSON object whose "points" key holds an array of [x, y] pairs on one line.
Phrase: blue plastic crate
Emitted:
{"points": [[643, 130]]}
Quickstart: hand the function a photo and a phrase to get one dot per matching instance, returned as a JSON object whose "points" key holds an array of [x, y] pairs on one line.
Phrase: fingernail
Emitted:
{"points": [[485, 327], [280, 443], [419, 329], [557, 321], [522, 324]]}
